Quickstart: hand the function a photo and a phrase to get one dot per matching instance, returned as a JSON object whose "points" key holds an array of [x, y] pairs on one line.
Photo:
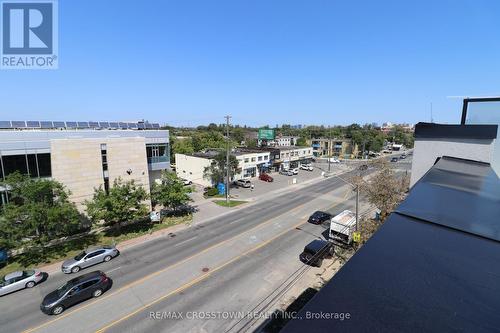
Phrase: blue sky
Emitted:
{"points": [[262, 61]]}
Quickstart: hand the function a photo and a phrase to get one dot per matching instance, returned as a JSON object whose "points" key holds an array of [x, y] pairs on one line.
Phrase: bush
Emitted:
{"points": [[211, 192]]}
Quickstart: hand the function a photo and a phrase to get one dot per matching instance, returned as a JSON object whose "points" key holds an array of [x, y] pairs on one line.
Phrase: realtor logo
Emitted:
{"points": [[29, 34]]}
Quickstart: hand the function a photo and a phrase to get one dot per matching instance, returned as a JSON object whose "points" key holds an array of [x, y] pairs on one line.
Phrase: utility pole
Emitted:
{"points": [[227, 159], [357, 207], [329, 147]]}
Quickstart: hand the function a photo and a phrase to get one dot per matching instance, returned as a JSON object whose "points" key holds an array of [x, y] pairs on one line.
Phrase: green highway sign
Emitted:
{"points": [[266, 134]]}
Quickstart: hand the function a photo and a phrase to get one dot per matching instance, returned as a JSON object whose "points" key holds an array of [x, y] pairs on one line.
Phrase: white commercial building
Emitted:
{"points": [[192, 167]]}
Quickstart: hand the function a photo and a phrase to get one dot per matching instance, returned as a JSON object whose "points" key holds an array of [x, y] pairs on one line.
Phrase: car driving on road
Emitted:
{"points": [[20, 280], [394, 159], [89, 258], [319, 217], [76, 290], [316, 251]]}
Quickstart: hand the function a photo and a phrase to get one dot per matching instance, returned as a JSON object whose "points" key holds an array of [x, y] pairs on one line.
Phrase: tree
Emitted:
{"points": [[38, 211], [210, 139], [237, 134], [302, 141], [182, 146], [385, 190], [170, 192], [124, 203], [216, 172]]}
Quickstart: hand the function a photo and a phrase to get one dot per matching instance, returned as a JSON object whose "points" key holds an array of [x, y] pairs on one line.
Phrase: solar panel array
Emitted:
{"points": [[35, 124]]}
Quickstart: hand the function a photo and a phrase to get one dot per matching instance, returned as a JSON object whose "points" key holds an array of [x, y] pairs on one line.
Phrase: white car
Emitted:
{"points": [[306, 167], [19, 280], [295, 171], [334, 160], [186, 181]]}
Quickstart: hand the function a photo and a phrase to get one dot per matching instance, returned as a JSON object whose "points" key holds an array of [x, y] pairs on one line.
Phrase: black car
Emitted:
{"points": [[319, 217], [316, 251], [394, 159], [76, 290]]}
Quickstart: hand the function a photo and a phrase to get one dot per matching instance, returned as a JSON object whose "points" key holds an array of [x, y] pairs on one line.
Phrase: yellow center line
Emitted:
{"points": [[147, 277], [195, 281]]}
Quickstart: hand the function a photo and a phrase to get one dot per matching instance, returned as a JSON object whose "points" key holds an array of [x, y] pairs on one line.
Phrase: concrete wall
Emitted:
{"points": [[191, 168], [77, 164], [428, 150]]}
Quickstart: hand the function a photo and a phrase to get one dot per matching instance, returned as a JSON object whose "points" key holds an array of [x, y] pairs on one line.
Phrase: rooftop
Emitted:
{"points": [[432, 266]]}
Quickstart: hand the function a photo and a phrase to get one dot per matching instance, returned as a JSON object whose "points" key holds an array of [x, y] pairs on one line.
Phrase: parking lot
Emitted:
{"points": [[283, 181]]}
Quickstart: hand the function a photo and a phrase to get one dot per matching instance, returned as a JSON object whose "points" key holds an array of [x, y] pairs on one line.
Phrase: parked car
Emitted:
{"points": [[319, 217], [265, 177], [306, 167], [363, 167], [186, 181], [89, 258], [394, 159], [402, 157], [243, 183], [334, 160], [74, 291], [20, 280], [295, 171], [286, 172], [316, 251]]}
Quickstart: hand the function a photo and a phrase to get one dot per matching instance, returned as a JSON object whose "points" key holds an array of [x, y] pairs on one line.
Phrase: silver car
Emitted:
{"points": [[19, 280], [89, 258]]}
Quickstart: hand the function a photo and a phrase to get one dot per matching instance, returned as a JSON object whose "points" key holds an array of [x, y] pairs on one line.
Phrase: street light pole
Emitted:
{"points": [[227, 159]]}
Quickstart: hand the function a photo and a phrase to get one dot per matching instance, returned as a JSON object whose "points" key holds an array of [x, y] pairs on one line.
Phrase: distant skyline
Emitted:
{"points": [[263, 62]]}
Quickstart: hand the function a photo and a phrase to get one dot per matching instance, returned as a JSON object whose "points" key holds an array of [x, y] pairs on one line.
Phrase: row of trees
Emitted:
{"points": [[213, 136], [39, 210]]}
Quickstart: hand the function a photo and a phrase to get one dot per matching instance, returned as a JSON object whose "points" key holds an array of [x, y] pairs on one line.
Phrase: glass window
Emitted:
{"points": [[89, 283], [253, 159], [15, 163], [33, 169], [44, 166], [246, 160], [260, 158]]}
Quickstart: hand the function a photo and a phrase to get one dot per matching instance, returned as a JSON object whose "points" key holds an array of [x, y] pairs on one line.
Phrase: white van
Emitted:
{"points": [[342, 227]]}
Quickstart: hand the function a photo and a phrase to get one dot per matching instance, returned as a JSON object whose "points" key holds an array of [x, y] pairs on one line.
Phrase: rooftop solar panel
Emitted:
{"points": [[93, 124], [156, 125], [46, 124], [4, 124], [59, 124], [122, 125], [132, 125], [148, 125], [104, 124], [140, 125], [71, 124], [18, 124], [33, 124], [83, 124], [113, 125]]}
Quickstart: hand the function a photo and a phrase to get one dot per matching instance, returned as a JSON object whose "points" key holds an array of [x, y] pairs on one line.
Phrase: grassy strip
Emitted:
{"points": [[232, 203], [71, 248]]}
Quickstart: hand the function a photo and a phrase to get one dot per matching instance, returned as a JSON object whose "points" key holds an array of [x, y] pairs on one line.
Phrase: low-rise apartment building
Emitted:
{"points": [[83, 155], [325, 147]]}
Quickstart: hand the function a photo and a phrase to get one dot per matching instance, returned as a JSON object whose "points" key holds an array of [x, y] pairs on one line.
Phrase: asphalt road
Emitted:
{"points": [[20, 311]]}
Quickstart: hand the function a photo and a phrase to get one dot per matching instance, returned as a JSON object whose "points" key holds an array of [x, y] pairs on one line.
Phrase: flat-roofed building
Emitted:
{"points": [[87, 158]]}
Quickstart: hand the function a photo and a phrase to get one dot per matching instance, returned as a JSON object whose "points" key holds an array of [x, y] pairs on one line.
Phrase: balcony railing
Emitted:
{"points": [[158, 159]]}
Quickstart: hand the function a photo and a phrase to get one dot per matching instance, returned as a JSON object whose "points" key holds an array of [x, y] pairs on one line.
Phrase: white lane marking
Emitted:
{"points": [[114, 269], [184, 241]]}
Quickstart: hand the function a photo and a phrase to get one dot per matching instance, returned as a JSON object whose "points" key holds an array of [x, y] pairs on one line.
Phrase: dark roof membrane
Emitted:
{"points": [[459, 194], [433, 266]]}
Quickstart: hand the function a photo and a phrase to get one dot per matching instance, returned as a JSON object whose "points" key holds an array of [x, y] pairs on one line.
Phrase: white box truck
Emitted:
{"points": [[342, 227]]}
